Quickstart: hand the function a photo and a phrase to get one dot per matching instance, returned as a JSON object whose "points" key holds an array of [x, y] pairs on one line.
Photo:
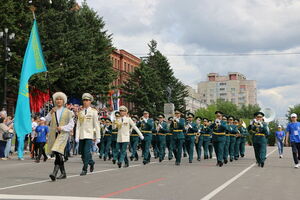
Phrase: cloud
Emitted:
{"points": [[215, 27]]}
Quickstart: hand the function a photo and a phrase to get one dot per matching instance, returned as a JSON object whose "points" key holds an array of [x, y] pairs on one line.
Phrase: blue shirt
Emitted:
{"points": [[41, 132], [280, 135], [294, 130]]}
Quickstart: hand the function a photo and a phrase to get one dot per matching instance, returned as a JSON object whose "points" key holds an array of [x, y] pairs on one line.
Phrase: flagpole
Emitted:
{"points": [[33, 9]]}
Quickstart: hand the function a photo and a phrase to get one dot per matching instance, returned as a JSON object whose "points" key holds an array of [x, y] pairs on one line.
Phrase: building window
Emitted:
{"points": [[222, 89], [223, 94], [222, 83], [232, 89]]}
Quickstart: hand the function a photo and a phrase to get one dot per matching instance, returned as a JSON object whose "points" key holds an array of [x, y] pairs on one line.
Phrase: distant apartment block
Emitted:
{"points": [[234, 87]]}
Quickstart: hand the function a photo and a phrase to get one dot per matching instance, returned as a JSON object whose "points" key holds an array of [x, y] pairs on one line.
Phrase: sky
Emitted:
{"points": [[215, 27]]}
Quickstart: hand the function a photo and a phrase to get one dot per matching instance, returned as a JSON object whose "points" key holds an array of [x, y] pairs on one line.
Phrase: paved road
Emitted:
{"points": [[240, 179]]}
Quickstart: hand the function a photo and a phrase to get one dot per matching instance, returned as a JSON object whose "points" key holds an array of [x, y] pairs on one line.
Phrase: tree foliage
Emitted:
{"points": [[75, 44], [151, 82], [228, 108]]}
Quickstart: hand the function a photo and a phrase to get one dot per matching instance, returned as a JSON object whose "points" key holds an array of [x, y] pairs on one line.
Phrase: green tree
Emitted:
{"points": [[143, 89], [75, 43], [247, 111], [152, 80], [208, 112], [295, 109]]}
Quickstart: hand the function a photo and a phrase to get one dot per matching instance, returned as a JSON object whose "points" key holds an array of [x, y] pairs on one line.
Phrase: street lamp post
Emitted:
{"points": [[6, 39]]}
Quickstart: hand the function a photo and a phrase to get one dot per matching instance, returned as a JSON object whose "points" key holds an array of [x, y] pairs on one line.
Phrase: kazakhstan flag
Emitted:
{"points": [[33, 63]]}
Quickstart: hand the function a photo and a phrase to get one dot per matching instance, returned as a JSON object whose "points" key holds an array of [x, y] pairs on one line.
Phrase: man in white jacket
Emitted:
{"points": [[124, 125], [87, 131]]}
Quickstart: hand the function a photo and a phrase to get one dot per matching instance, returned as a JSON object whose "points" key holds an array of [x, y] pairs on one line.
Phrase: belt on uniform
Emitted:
{"points": [[177, 131], [190, 134], [134, 135], [115, 133], [146, 131], [219, 133], [233, 135], [259, 134], [205, 135], [169, 133], [107, 134], [161, 134]]}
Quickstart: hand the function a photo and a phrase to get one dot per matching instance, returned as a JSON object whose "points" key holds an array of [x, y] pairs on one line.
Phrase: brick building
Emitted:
{"points": [[123, 63]]}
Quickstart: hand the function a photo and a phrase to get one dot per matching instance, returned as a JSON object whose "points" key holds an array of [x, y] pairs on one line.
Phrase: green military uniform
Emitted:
{"points": [[154, 140], [191, 131], [227, 142], [259, 132], [177, 127], [114, 136], [146, 127], [233, 130], [107, 139], [199, 139], [134, 141], [206, 134], [243, 139], [219, 128], [161, 138], [101, 144], [169, 140]]}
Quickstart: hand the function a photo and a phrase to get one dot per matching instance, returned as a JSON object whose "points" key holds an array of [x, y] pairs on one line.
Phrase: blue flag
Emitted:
{"points": [[33, 63]]}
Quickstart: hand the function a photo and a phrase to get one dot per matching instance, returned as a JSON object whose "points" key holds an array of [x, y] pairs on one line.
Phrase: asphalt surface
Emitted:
{"points": [[240, 179]]}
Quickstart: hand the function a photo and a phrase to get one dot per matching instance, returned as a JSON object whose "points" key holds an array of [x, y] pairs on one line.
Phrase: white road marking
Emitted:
{"points": [[227, 183], [73, 176], [25, 197]]}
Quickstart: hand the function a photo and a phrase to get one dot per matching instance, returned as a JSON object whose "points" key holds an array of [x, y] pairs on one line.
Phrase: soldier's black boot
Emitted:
{"points": [[225, 161], [54, 173], [63, 173]]}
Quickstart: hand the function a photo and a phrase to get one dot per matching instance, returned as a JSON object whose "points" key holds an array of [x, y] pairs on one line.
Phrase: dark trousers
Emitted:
{"points": [[178, 143], [2, 148], [260, 150], [134, 141], [41, 150], [58, 159], [296, 151], [146, 149], [121, 148], [86, 155]]}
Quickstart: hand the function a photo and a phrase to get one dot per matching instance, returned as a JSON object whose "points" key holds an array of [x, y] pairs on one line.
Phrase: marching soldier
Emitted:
{"points": [[114, 135], [154, 140], [232, 135], [244, 133], [206, 133], [191, 131], [101, 144], [61, 123], [210, 144], [199, 138], [107, 138], [227, 141], [259, 131], [169, 139], [177, 127], [146, 125], [219, 128], [134, 141], [162, 130], [238, 139], [124, 124], [87, 130]]}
